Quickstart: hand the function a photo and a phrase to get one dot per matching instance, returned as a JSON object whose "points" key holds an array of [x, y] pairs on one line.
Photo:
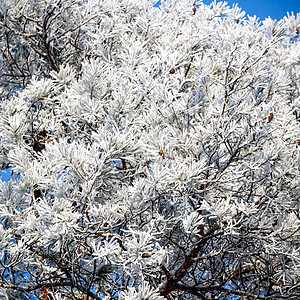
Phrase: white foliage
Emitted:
{"points": [[149, 147], [143, 292]]}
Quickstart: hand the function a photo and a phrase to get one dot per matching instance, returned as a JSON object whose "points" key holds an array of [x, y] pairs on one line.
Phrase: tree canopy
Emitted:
{"points": [[154, 151]]}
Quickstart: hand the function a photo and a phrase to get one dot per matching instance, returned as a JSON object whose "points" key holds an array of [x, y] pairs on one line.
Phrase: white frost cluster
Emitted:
{"points": [[157, 145]]}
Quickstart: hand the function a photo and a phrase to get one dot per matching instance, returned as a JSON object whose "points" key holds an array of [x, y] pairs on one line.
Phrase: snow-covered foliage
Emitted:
{"points": [[154, 151]]}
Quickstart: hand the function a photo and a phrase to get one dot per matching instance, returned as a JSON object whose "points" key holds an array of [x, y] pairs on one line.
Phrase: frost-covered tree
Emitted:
{"points": [[154, 151]]}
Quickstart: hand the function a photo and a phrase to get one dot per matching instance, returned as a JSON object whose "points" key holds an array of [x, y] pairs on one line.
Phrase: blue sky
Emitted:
{"points": [[276, 9], [5, 175]]}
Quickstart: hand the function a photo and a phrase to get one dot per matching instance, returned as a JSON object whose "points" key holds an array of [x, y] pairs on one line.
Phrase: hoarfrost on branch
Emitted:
{"points": [[154, 151]]}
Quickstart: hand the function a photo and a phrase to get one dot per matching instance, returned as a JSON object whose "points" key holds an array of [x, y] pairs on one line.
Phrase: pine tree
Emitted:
{"points": [[154, 151]]}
